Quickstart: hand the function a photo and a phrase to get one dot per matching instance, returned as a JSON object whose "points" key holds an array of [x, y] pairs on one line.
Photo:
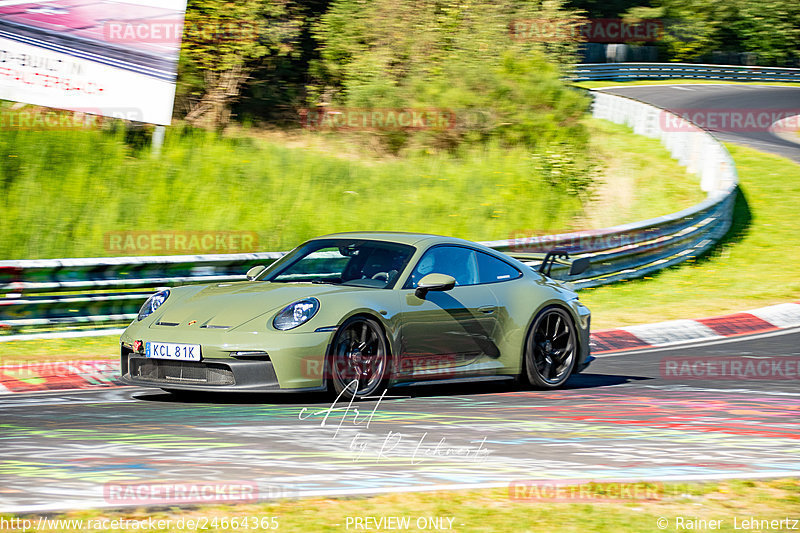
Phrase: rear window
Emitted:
{"points": [[492, 269]]}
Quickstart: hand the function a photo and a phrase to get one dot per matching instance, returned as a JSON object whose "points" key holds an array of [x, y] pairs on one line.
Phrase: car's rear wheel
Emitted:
{"points": [[359, 358], [550, 349]]}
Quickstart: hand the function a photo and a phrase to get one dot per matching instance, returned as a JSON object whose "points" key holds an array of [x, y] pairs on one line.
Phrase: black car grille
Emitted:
{"points": [[187, 372]]}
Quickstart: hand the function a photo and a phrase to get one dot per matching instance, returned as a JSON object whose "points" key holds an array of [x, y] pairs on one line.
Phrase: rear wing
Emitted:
{"points": [[576, 266]]}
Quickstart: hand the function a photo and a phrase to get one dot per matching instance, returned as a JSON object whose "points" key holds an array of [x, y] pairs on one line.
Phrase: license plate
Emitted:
{"points": [[166, 350]]}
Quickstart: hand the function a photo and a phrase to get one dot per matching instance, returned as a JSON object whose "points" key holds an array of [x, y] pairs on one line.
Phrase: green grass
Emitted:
{"points": [[64, 190], [494, 511], [50, 350], [756, 265], [637, 181], [677, 81]]}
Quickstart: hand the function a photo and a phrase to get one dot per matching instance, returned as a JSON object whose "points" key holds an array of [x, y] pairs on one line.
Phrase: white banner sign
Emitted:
{"points": [[103, 57]]}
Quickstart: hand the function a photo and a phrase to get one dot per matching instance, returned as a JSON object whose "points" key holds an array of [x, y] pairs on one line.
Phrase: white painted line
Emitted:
{"points": [[672, 332], [701, 85], [62, 335], [686, 388], [57, 397], [734, 84], [781, 315]]}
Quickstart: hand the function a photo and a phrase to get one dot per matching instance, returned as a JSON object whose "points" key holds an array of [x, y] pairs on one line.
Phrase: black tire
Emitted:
{"points": [[359, 355], [550, 349]]}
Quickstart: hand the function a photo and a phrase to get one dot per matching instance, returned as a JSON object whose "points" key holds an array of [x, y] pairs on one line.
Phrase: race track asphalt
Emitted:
{"points": [[723, 99]]}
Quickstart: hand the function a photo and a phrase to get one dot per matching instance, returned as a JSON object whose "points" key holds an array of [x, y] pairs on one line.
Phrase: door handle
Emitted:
{"points": [[487, 309]]}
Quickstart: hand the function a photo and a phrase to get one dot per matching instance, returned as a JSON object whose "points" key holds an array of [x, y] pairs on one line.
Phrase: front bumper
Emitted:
{"points": [[276, 363], [207, 375]]}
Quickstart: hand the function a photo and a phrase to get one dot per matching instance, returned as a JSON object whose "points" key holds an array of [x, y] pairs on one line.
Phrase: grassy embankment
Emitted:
{"points": [[64, 190], [753, 267]]}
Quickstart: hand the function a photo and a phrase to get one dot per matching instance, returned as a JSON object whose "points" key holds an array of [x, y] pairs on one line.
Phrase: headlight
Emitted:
{"points": [[152, 303], [296, 314]]}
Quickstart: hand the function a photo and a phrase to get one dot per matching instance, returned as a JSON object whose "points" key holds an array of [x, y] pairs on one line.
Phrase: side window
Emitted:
{"points": [[492, 270], [461, 263]]}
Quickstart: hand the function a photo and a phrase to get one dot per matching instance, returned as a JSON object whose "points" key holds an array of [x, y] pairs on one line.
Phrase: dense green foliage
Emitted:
{"points": [[452, 55], [273, 57], [698, 30], [381, 53], [223, 42], [770, 29], [456, 57]]}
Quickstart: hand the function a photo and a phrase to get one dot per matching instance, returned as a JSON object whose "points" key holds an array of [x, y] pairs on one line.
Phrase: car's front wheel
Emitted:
{"points": [[359, 359], [550, 349]]}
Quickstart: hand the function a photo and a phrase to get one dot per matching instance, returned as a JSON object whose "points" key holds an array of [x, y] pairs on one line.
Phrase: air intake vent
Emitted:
{"points": [[163, 371]]}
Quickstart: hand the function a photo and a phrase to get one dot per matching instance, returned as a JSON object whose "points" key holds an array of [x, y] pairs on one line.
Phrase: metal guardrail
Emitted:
{"points": [[80, 293], [77, 293], [638, 71]]}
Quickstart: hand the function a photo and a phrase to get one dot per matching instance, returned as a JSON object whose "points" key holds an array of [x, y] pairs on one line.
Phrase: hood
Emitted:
{"points": [[232, 304]]}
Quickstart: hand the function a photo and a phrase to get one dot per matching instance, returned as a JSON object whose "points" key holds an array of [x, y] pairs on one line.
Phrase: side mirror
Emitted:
{"points": [[579, 266], [254, 272], [434, 282]]}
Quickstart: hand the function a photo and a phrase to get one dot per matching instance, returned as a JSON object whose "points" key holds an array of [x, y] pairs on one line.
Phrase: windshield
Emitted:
{"points": [[354, 262]]}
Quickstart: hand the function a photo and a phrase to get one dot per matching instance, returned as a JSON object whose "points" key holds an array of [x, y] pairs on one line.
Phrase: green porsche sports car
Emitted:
{"points": [[359, 312]]}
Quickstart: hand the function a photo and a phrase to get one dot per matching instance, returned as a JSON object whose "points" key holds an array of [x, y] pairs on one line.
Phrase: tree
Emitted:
{"points": [[464, 55], [223, 42], [769, 29]]}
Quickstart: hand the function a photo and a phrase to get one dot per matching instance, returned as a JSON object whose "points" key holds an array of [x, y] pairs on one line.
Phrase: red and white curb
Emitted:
{"points": [[41, 377], [675, 332], [97, 374]]}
